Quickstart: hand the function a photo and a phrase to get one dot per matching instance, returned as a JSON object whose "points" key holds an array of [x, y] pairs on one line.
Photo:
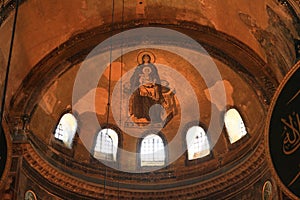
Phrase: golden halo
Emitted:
{"points": [[142, 53]]}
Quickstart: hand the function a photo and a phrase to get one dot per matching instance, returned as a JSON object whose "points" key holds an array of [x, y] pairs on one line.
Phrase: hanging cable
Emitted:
{"points": [[109, 85], [121, 82], [110, 65], [121, 63], [8, 63]]}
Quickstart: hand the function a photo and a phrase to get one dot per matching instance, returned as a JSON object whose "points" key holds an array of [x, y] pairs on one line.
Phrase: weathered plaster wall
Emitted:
{"points": [[43, 25]]}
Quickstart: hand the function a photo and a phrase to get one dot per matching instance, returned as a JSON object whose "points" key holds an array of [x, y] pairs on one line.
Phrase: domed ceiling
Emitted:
{"points": [[124, 72]]}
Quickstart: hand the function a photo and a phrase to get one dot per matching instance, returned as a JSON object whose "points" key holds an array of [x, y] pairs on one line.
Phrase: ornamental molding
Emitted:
{"points": [[237, 178]]}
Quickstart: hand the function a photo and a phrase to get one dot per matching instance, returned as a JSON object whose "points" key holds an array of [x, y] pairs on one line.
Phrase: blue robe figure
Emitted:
{"points": [[146, 93]]}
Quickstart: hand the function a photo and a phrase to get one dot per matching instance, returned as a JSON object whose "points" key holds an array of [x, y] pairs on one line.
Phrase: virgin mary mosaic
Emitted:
{"points": [[146, 93]]}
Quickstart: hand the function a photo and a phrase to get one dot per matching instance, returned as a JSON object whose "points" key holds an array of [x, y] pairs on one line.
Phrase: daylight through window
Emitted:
{"points": [[152, 151], [197, 143], [66, 129], [106, 145]]}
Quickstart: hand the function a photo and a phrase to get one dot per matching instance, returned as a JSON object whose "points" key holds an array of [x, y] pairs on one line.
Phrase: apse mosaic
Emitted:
{"points": [[151, 98]]}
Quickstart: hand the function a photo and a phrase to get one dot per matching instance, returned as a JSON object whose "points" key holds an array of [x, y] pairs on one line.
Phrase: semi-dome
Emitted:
{"points": [[143, 100]]}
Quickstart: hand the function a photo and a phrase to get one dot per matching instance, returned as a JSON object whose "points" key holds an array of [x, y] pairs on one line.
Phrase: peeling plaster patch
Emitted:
{"points": [[101, 101], [216, 89], [275, 40], [84, 4], [115, 71], [94, 101]]}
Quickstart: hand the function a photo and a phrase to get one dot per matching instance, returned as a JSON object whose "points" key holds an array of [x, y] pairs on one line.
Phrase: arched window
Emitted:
{"points": [[234, 125], [152, 151], [106, 145], [66, 129], [197, 143]]}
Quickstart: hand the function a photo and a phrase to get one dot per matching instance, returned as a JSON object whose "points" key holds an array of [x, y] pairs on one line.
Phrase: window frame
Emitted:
{"points": [[119, 134], [139, 147], [244, 138], [58, 144], [201, 159]]}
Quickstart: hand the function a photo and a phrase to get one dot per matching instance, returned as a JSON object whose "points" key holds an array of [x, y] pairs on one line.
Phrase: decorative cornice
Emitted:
{"points": [[9, 152], [294, 6], [240, 176]]}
